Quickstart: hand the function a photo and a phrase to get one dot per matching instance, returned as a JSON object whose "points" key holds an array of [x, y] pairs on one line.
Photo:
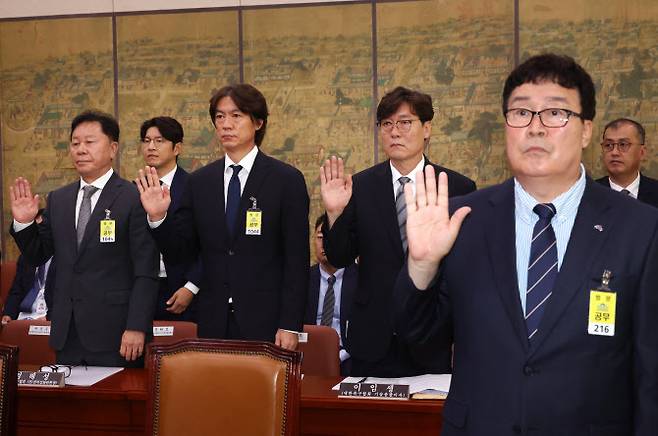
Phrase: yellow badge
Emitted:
{"points": [[602, 307], [254, 219], [108, 228]]}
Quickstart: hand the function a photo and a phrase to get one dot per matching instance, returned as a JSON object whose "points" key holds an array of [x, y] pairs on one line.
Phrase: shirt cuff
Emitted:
{"points": [[192, 287], [343, 354], [290, 331], [155, 224], [20, 226]]}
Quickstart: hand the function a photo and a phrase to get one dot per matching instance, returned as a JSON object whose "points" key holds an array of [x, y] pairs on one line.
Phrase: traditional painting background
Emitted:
{"points": [[322, 68]]}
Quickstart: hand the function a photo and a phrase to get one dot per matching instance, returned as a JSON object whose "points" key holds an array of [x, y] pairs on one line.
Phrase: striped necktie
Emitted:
{"points": [[542, 267], [329, 302], [401, 208]]}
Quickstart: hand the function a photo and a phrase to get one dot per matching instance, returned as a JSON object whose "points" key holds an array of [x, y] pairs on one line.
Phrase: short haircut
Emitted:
{"points": [[560, 69], [169, 128], [319, 221], [419, 103], [109, 125], [615, 124], [249, 100]]}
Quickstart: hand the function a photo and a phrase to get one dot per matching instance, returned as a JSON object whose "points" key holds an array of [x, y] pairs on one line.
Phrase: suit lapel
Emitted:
{"points": [[108, 195], [176, 188], [314, 296], [382, 190], [69, 209], [257, 176], [501, 239], [594, 210]]}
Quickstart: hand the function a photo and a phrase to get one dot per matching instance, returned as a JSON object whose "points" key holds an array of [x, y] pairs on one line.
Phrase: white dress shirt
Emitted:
{"points": [[633, 188], [412, 175]]}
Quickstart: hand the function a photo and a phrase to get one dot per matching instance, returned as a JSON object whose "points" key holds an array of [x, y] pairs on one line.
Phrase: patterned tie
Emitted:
{"points": [[401, 208], [626, 192], [542, 267], [328, 303], [233, 199], [85, 211]]}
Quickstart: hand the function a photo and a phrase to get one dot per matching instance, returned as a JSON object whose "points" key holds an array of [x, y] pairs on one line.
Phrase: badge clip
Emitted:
{"points": [[605, 280], [107, 214], [253, 203]]}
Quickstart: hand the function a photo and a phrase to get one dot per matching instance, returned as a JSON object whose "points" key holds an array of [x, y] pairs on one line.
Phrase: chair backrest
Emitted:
{"points": [[320, 352], [8, 388], [207, 386], [179, 330], [34, 347], [7, 274]]}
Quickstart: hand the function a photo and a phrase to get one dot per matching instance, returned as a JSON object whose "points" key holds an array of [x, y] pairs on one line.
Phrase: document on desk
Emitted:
{"points": [[89, 375], [419, 383]]}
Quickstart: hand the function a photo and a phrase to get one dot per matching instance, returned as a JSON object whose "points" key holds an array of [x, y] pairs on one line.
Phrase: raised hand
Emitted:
{"points": [[335, 187], [431, 232], [155, 198], [24, 206]]}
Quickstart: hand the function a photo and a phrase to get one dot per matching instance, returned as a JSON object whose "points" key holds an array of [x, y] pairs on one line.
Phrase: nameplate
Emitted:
{"points": [[303, 337], [41, 379], [374, 390], [165, 330], [39, 330]]}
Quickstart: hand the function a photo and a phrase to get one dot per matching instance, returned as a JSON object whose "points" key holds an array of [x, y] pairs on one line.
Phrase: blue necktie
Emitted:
{"points": [[542, 267], [233, 200], [31, 296]]}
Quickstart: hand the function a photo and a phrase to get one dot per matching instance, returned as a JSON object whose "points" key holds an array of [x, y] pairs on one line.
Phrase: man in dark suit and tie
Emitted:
{"points": [[246, 217], [106, 260], [162, 143], [365, 219], [550, 285], [623, 148], [330, 293]]}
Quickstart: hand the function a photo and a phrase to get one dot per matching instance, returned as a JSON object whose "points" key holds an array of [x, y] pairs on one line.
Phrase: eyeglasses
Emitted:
{"points": [[402, 125], [551, 117], [64, 369], [157, 141], [622, 146]]}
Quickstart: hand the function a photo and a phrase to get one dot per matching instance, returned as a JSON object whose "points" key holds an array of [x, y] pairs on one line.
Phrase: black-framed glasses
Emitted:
{"points": [[402, 125], [551, 117], [64, 369], [622, 146], [158, 141]]}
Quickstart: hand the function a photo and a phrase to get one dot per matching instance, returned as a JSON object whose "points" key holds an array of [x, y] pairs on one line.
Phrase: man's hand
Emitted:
{"points": [[5, 319], [335, 187], [180, 300], [132, 344], [24, 206], [431, 232], [155, 198], [287, 340]]}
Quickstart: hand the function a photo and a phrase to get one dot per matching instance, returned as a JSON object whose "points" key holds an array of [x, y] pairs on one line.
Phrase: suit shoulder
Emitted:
{"points": [[371, 172], [463, 184], [603, 180], [212, 169], [281, 166]]}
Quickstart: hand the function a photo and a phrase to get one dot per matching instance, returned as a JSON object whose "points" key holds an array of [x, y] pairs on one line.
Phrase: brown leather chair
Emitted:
{"points": [[207, 386], [8, 388], [34, 348], [320, 352], [7, 273]]}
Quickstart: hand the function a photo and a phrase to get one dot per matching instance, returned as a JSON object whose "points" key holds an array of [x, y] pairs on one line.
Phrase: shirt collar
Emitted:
{"points": [[168, 178], [247, 162], [325, 275], [412, 175], [633, 188], [566, 204], [99, 182]]}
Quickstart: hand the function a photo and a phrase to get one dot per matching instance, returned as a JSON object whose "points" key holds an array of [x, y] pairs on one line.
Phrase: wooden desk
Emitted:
{"points": [[117, 406]]}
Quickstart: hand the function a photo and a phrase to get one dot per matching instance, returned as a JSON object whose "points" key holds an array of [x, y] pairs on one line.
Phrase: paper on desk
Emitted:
{"points": [[419, 383], [87, 376]]}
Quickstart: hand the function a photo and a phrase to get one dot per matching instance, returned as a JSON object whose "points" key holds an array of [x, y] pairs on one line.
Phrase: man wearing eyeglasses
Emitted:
{"points": [[365, 219], [161, 143], [623, 149], [548, 279]]}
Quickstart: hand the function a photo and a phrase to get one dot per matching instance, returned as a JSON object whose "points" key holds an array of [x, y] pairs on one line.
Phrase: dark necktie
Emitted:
{"points": [[31, 296], [401, 208], [626, 192], [233, 200], [542, 267], [329, 302], [85, 211]]}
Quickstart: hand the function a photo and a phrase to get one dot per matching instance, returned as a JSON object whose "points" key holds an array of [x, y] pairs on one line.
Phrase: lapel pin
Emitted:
{"points": [[599, 227]]}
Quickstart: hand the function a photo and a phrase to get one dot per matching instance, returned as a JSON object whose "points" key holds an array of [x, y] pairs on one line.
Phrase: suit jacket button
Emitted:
{"points": [[527, 370], [231, 252]]}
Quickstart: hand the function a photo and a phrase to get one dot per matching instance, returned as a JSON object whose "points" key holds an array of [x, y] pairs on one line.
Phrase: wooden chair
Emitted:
{"points": [[34, 348], [320, 352], [206, 386], [8, 389]]}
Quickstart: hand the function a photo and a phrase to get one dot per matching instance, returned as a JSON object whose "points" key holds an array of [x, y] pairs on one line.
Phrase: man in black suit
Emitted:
{"points": [[366, 220], [623, 148], [106, 261], [246, 217], [330, 293], [162, 143], [550, 285]]}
